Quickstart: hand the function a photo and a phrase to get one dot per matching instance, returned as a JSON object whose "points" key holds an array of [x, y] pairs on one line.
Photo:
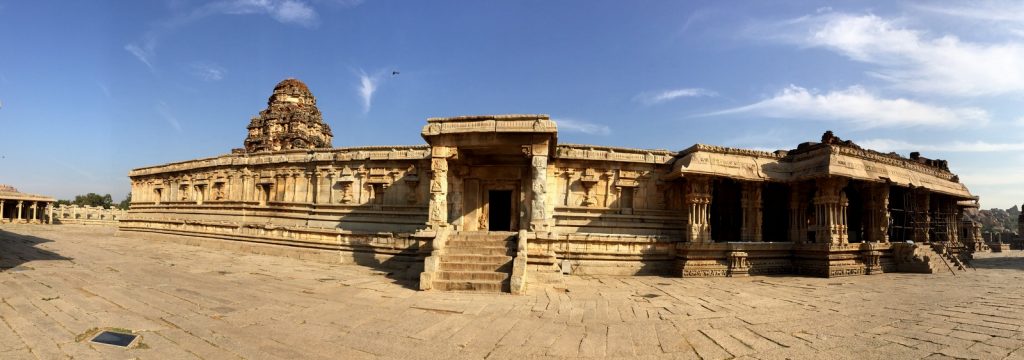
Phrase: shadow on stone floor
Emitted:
{"points": [[17, 249], [1004, 262], [402, 273]]}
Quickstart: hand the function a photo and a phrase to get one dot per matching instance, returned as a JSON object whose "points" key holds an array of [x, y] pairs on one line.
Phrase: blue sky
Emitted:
{"points": [[90, 90]]}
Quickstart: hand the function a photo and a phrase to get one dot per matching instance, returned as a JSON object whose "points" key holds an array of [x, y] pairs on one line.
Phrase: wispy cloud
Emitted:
{"points": [[655, 97], [165, 113], [1010, 12], [955, 146], [367, 86], [577, 126], [208, 71], [858, 107], [293, 12], [104, 88], [914, 59], [144, 53]]}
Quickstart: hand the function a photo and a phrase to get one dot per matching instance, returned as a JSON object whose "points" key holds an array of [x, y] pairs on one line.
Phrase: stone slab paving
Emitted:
{"points": [[59, 282]]}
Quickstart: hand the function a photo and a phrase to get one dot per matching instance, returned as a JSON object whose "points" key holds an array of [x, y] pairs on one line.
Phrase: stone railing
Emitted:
{"points": [[87, 215]]}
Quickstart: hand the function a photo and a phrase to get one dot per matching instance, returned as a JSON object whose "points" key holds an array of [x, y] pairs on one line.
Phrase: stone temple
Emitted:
{"points": [[494, 202]]}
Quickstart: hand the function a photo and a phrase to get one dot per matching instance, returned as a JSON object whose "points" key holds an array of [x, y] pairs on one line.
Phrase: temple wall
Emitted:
{"points": [[363, 203]]}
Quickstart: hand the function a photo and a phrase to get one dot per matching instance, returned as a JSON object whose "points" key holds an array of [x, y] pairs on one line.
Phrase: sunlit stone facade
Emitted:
{"points": [[495, 202]]}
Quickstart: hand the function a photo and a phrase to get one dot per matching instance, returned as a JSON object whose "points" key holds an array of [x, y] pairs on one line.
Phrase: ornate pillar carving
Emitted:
{"points": [[49, 212], [830, 211], [35, 207], [538, 155], [752, 219], [538, 188], [921, 218], [20, 202], [877, 210], [2, 210], [438, 208], [797, 214], [698, 206]]}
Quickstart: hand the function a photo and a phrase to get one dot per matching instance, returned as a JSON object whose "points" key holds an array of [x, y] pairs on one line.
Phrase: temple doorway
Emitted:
{"points": [[500, 210]]}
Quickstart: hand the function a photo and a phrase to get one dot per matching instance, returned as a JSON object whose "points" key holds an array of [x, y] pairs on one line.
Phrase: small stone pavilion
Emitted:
{"points": [[18, 207], [494, 202]]}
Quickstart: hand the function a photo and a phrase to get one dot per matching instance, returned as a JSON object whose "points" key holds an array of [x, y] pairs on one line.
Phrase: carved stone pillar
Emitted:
{"points": [[2, 210], [317, 186], [752, 219], [921, 218], [49, 212], [698, 207], [20, 204], [797, 214], [830, 212], [538, 186], [438, 208], [35, 213], [308, 186], [876, 205]]}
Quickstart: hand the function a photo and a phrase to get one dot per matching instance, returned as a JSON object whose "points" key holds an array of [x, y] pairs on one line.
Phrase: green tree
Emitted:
{"points": [[94, 199], [126, 202]]}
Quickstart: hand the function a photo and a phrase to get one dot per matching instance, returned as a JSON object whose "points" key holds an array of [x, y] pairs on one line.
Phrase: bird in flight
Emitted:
{"points": [[394, 72]]}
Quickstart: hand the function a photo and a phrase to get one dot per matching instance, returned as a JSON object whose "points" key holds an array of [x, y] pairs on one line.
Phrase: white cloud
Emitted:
{"points": [[886, 145], [165, 113], [284, 11], [367, 86], [916, 60], [858, 107], [295, 12], [208, 71], [651, 98], [570, 125], [1019, 122]]}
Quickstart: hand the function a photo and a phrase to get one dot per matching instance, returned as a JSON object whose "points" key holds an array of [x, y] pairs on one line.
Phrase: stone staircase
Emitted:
{"points": [[937, 262], [476, 261]]}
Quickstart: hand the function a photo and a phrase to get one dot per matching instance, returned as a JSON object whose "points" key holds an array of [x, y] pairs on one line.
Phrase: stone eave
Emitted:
{"points": [[609, 153], [302, 156], [739, 164], [7, 195], [508, 123]]}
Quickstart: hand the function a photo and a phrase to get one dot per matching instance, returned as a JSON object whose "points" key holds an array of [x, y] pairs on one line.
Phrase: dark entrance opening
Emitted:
{"points": [[726, 212], [854, 215], [775, 213], [499, 217]]}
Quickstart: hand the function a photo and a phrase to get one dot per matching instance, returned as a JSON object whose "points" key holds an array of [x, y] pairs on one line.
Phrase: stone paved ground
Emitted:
{"points": [[189, 302]]}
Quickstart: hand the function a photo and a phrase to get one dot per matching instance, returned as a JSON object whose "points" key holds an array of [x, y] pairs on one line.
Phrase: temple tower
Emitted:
{"points": [[290, 121]]}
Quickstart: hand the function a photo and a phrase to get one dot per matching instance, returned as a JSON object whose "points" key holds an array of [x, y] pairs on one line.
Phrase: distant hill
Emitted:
{"points": [[998, 220]]}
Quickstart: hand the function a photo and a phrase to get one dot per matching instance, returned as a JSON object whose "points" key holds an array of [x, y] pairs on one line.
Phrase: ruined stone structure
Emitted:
{"points": [[495, 202], [18, 207], [86, 215]]}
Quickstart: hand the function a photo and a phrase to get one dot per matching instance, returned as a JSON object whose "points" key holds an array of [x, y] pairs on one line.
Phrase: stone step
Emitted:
{"points": [[476, 259], [481, 286], [476, 236], [480, 251], [471, 276], [466, 266], [477, 243]]}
